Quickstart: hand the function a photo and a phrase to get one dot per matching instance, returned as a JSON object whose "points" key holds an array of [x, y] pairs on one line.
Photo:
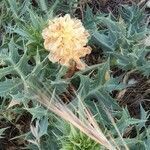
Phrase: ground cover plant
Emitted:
{"points": [[74, 75]]}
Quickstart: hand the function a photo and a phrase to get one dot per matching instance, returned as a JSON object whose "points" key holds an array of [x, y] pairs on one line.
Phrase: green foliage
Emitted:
{"points": [[78, 141], [72, 138], [99, 88], [122, 38], [2, 130], [24, 66]]}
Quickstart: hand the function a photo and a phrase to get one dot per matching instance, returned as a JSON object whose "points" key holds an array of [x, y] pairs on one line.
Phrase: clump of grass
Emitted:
{"points": [[76, 140]]}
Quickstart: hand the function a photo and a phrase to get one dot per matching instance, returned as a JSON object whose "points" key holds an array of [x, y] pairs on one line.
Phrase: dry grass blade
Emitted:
{"points": [[89, 126], [113, 123]]}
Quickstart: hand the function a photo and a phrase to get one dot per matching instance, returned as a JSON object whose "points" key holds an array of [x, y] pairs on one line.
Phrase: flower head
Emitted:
{"points": [[66, 39]]}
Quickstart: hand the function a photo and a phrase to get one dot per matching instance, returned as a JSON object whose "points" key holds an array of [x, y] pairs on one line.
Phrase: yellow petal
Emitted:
{"points": [[66, 39]]}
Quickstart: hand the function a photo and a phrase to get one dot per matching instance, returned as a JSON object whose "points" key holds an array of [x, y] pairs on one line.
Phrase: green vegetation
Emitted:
{"points": [[44, 108]]}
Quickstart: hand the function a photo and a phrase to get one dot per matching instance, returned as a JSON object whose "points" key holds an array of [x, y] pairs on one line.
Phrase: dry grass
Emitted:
{"points": [[85, 123]]}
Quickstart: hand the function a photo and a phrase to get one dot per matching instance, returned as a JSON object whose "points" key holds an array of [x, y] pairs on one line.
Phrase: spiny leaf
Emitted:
{"points": [[2, 130], [10, 86]]}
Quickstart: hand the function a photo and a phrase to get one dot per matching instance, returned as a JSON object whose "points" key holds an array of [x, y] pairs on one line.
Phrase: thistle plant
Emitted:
{"points": [[123, 38], [66, 40], [36, 35]]}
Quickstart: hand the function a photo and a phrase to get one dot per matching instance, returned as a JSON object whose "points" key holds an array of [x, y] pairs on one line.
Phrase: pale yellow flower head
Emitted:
{"points": [[66, 38]]}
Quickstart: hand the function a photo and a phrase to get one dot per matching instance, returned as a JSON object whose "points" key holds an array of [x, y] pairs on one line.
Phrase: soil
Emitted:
{"points": [[136, 95], [21, 126]]}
